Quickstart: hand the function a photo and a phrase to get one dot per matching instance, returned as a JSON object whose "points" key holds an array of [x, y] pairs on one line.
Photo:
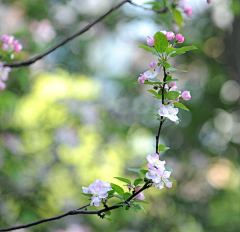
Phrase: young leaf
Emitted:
{"points": [[161, 147], [135, 170], [123, 180], [111, 192], [146, 48], [169, 77], [144, 171], [127, 195], [180, 105], [170, 50], [137, 181], [176, 70], [108, 213], [171, 80], [161, 42], [154, 93], [136, 208], [121, 203], [187, 48], [173, 95], [145, 83], [172, 179], [118, 196], [117, 188], [87, 194], [164, 63], [168, 169], [141, 201], [178, 17], [177, 53], [109, 219]]}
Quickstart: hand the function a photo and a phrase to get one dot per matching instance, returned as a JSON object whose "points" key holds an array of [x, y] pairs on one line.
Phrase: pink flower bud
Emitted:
{"points": [[140, 196], [150, 41], [4, 47], [10, 39], [153, 64], [188, 10], [186, 95], [2, 85], [4, 38], [208, 1], [179, 38], [171, 84], [170, 35], [141, 79], [17, 47]]}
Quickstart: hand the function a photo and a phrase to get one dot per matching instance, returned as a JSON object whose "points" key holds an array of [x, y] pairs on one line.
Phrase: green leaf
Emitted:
{"points": [[123, 180], [118, 196], [144, 171], [145, 83], [170, 50], [136, 208], [135, 170], [164, 63], [169, 77], [176, 70], [87, 194], [108, 213], [161, 147], [121, 203], [141, 201], [147, 48], [117, 188], [151, 3], [178, 17], [187, 48], [109, 219], [127, 195], [173, 95], [171, 80], [171, 179], [180, 105], [161, 43], [137, 181], [154, 93], [168, 169], [143, 209], [166, 148], [111, 192], [177, 53], [160, 94]]}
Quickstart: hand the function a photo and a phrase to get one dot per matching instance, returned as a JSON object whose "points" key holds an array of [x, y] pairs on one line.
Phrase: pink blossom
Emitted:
{"points": [[186, 95], [171, 84], [154, 161], [152, 73], [2, 85], [179, 38], [208, 1], [142, 79], [150, 41], [4, 38], [170, 35], [153, 64], [139, 196], [188, 10], [4, 46], [17, 46], [163, 178], [99, 190]]}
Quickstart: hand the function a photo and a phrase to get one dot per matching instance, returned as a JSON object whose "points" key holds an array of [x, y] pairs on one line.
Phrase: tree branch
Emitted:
{"points": [[161, 122], [86, 28], [76, 211]]}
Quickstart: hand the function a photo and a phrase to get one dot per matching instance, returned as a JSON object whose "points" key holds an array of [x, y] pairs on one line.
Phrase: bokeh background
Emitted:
{"points": [[76, 116]]}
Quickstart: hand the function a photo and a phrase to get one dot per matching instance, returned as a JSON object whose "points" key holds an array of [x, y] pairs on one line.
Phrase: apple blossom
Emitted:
{"points": [[152, 73], [139, 196], [179, 38], [142, 79], [154, 161], [153, 64], [171, 84], [169, 112], [186, 95], [170, 35], [150, 41], [163, 178], [188, 10], [208, 1], [10, 45], [99, 190]]}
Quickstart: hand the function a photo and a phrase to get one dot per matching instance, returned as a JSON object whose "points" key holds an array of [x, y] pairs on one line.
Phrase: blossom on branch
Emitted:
{"points": [[4, 71], [154, 71], [150, 41], [186, 95], [139, 196], [170, 35], [168, 111], [10, 44], [99, 190], [179, 38]]}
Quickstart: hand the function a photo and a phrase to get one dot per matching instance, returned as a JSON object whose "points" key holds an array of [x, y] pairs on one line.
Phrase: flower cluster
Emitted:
{"points": [[187, 8], [10, 45], [157, 172], [139, 196], [98, 190]]}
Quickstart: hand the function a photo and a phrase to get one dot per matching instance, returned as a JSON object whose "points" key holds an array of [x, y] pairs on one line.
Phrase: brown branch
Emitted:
{"points": [[77, 211], [161, 122], [86, 28]]}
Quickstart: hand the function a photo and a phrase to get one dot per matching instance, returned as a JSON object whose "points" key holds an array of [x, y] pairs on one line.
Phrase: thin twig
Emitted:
{"points": [[86, 28], [75, 212], [161, 122]]}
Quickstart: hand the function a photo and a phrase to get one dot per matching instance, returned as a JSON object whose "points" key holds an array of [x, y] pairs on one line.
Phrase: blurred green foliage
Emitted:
{"points": [[76, 116]]}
